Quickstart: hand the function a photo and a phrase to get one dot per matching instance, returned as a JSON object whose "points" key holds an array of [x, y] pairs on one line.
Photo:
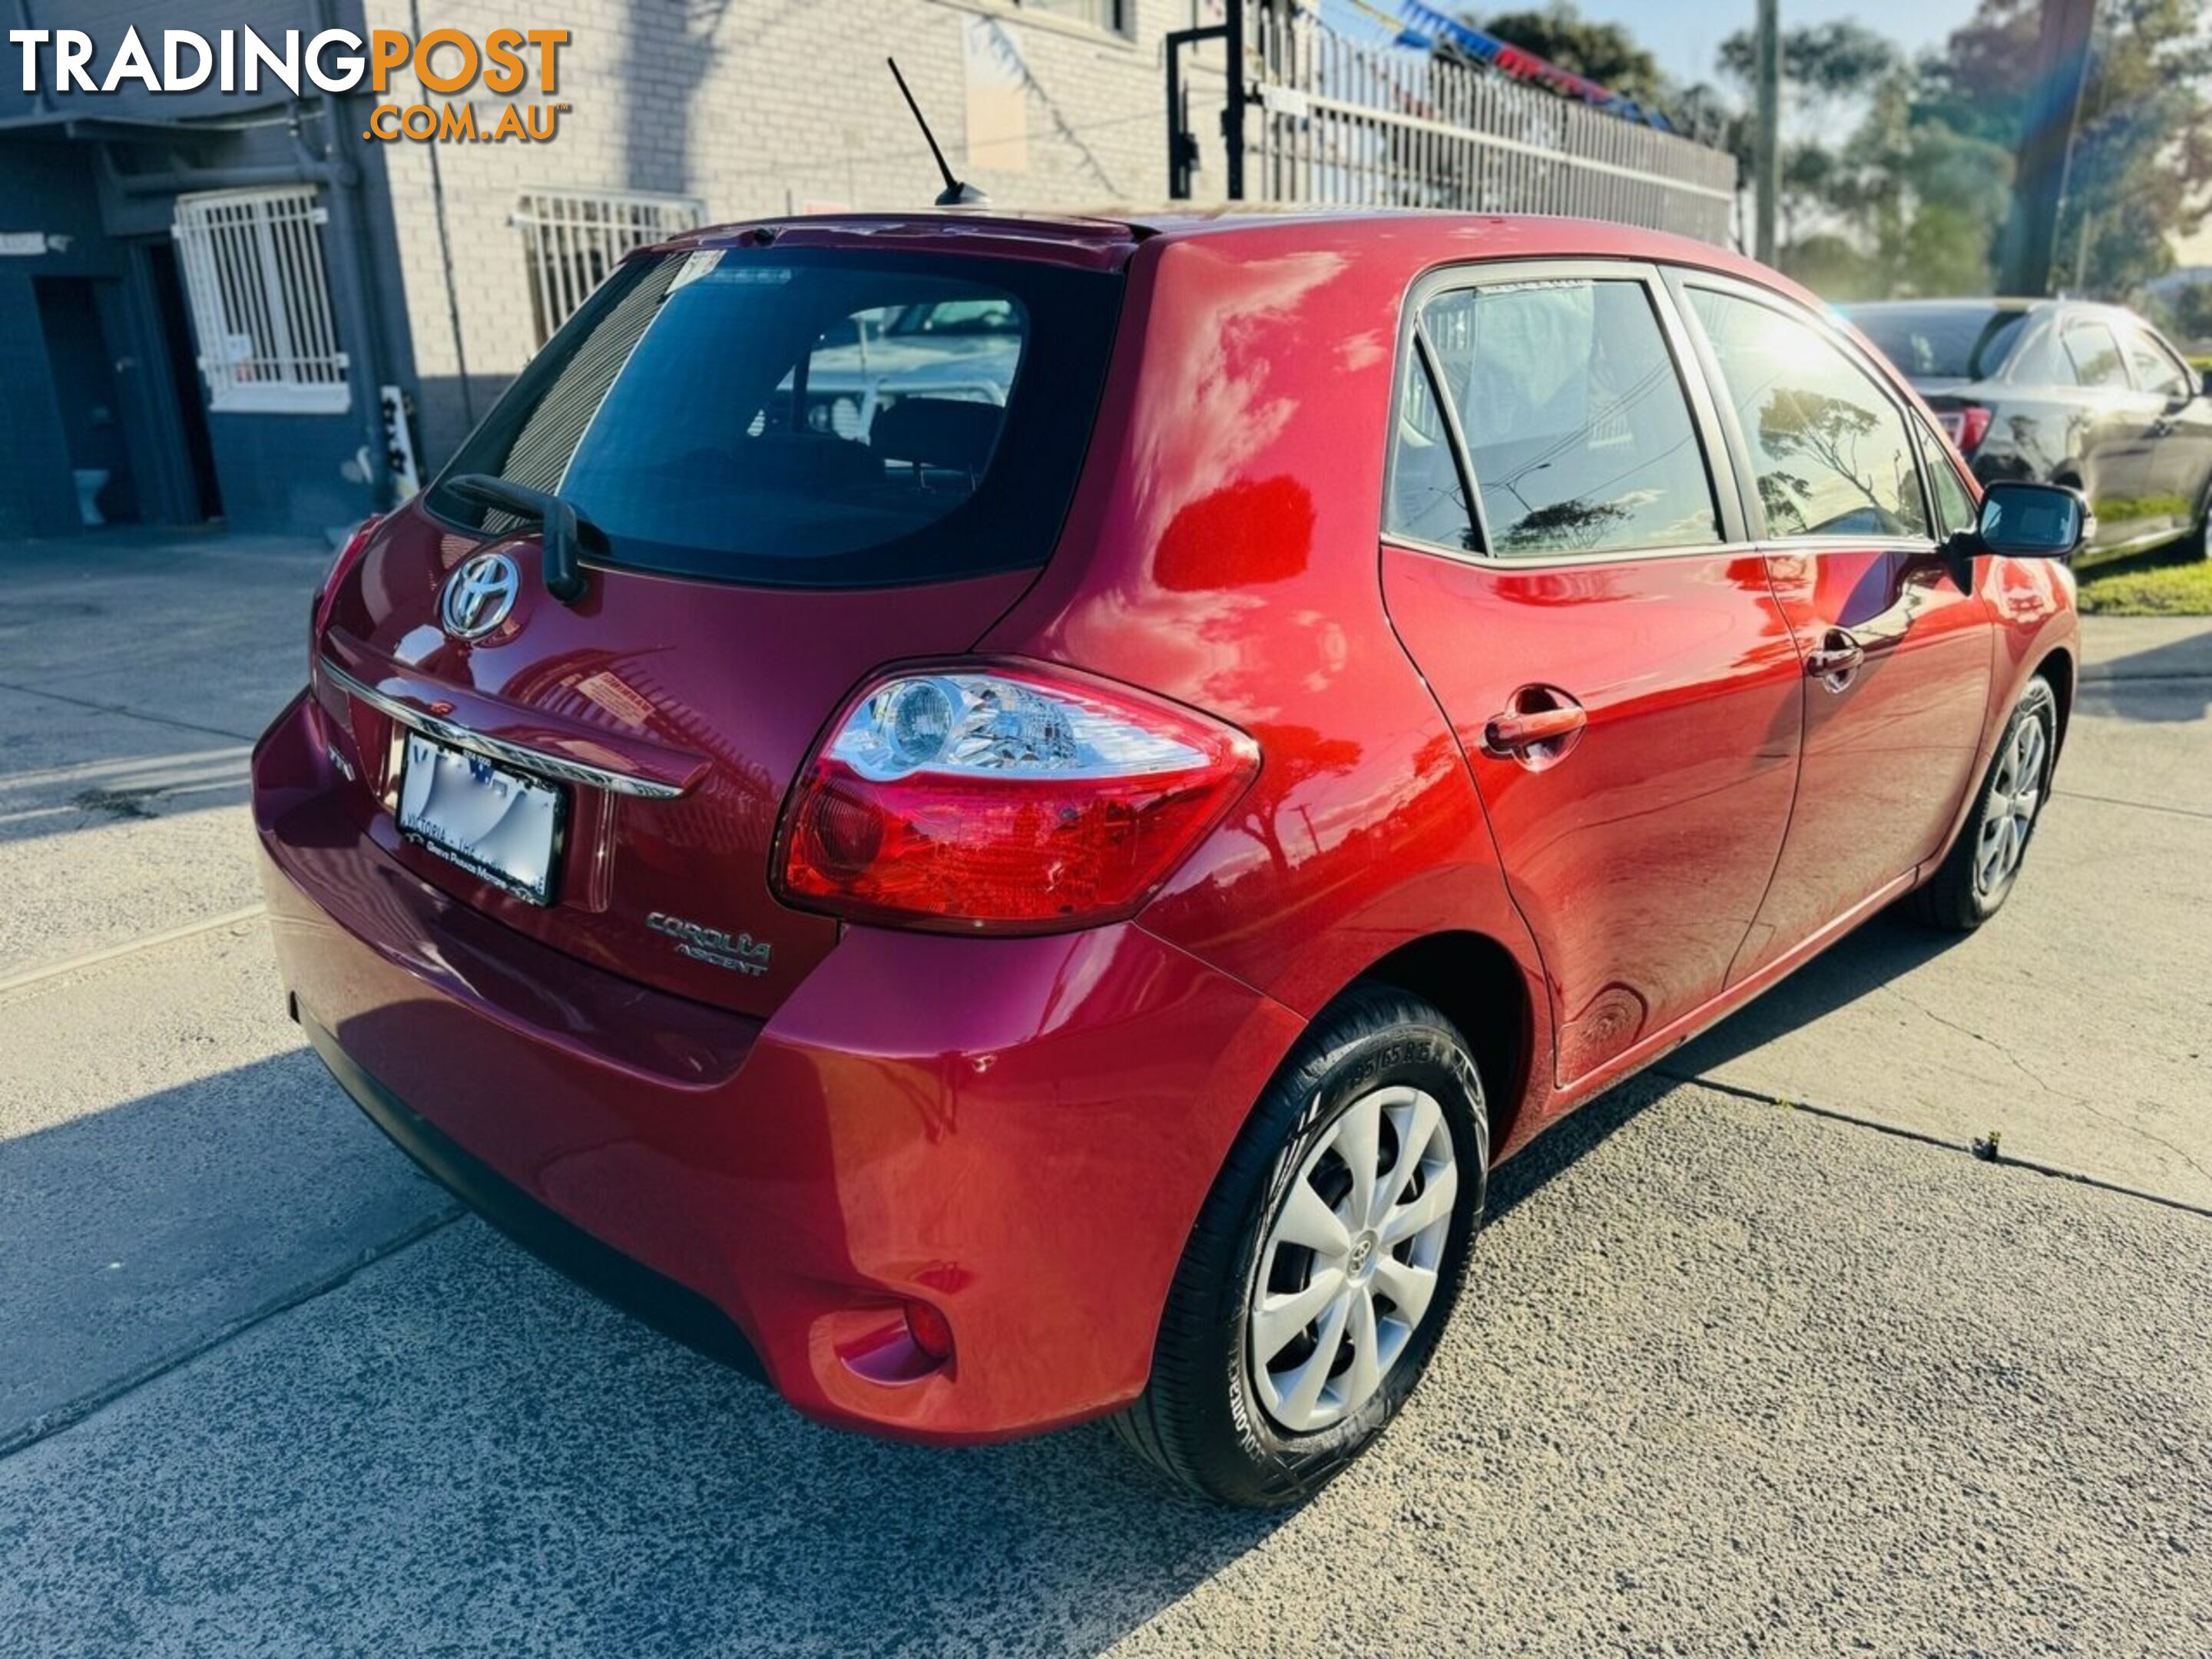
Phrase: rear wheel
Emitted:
{"points": [[1978, 872], [1327, 1259]]}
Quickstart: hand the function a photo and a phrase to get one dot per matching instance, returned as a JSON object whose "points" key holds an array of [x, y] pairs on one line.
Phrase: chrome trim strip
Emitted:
{"points": [[1533, 564], [535, 760]]}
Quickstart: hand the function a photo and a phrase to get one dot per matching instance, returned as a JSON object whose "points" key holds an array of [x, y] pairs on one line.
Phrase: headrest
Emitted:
{"points": [[947, 432]]}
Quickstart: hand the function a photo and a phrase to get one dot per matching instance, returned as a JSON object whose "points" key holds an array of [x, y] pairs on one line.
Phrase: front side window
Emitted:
{"points": [[1578, 432], [810, 418], [2155, 371], [2093, 355], [1954, 505], [1830, 452]]}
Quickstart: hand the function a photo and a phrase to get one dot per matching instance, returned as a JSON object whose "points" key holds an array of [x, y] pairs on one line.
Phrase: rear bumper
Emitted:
{"points": [[628, 1283], [1019, 1132]]}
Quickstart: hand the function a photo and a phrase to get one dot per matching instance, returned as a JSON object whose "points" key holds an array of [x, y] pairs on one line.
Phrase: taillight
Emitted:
{"points": [[995, 798], [348, 556], [1965, 426]]}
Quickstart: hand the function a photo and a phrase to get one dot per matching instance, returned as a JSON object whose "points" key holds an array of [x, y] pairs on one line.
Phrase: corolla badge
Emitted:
{"points": [[742, 954], [478, 595]]}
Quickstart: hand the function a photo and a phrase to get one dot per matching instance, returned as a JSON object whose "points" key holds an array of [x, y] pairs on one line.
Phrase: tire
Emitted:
{"points": [[2199, 544], [1207, 1417], [1978, 873]]}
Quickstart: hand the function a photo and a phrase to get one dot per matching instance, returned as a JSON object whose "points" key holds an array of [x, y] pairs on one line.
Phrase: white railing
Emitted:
{"points": [[573, 238], [252, 263], [1346, 122]]}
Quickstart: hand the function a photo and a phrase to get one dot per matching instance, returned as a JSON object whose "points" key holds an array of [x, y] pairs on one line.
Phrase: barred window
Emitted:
{"points": [[573, 240], [252, 264], [1099, 14]]}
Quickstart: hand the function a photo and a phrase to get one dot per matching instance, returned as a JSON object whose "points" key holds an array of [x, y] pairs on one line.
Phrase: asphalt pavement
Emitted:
{"points": [[1736, 1376]]}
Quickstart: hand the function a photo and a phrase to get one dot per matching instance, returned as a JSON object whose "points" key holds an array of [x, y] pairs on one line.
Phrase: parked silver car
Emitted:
{"points": [[2064, 392]]}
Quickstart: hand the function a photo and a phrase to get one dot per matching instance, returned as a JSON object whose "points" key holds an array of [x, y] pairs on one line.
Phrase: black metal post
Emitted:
{"points": [[1182, 147], [1232, 112]]}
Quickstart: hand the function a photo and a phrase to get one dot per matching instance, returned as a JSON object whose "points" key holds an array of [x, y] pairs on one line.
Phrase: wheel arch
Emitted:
{"points": [[1478, 985], [2058, 668]]}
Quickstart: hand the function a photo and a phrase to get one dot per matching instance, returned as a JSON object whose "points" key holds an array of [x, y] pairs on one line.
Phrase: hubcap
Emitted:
{"points": [[1350, 1261], [2015, 792]]}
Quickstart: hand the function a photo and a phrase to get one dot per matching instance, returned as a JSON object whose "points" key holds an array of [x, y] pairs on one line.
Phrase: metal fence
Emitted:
{"points": [[1342, 121], [252, 263], [573, 238]]}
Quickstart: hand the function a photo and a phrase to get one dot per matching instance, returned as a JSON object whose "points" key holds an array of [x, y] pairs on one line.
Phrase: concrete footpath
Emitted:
{"points": [[1734, 1377], [2078, 1024]]}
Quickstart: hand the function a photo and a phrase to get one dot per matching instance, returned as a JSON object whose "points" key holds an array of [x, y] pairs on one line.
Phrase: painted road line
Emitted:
{"points": [[30, 976]]}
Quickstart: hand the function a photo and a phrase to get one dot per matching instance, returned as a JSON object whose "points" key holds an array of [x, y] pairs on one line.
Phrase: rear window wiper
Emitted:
{"points": [[561, 527]]}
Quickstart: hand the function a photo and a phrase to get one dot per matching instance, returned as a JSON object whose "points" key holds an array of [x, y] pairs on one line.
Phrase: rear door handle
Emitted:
{"points": [[1538, 727], [1836, 658]]}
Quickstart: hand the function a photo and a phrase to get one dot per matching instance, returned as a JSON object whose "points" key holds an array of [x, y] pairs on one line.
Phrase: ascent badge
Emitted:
{"points": [[742, 954]]}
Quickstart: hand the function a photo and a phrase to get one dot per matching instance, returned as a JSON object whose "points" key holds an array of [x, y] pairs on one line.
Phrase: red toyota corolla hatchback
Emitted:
{"points": [[1001, 818]]}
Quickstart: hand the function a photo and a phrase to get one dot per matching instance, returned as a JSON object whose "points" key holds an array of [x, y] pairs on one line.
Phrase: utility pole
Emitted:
{"points": [[2046, 145], [1766, 155]]}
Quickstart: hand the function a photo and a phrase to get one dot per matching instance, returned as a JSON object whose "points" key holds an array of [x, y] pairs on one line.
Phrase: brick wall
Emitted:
{"points": [[757, 107]]}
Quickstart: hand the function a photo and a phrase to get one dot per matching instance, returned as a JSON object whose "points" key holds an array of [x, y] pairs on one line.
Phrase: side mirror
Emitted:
{"points": [[2034, 521]]}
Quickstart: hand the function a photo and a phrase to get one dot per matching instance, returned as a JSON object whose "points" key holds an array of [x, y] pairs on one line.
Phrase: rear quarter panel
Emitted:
{"points": [[1223, 551]]}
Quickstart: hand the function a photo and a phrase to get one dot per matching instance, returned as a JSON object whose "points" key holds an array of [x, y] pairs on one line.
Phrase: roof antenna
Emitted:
{"points": [[955, 194]]}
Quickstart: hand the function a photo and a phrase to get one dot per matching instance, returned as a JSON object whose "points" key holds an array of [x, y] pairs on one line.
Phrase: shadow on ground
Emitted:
{"points": [[2166, 682], [133, 1235], [1704, 1395], [1878, 954], [462, 1366]]}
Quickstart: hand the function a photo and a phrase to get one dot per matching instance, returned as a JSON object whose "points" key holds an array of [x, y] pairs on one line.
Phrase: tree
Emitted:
{"points": [[1824, 69], [1604, 52], [2141, 171], [1705, 113], [1926, 201], [2187, 312], [1821, 64]]}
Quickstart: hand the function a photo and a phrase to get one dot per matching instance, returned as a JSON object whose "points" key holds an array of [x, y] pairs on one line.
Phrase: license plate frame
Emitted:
{"points": [[519, 823]]}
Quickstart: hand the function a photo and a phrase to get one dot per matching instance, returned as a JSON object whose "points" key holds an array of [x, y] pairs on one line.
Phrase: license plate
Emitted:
{"points": [[496, 824]]}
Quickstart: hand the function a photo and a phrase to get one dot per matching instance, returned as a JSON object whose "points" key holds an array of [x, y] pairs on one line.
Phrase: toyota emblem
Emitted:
{"points": [[478, 595]]}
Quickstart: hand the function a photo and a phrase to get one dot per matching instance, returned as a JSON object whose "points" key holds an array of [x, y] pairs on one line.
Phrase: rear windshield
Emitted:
{"points": [[1944, 343], [803, 418]]}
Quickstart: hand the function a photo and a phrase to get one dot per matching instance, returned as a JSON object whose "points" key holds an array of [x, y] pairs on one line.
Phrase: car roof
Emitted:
{"points": [[1107, 238], [1962, 302], [2060, 306]]}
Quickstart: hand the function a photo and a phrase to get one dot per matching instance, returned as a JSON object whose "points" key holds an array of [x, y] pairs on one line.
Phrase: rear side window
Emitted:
{"points": [[811, 419], [2093, 355], [1944, 343], [2155, 371], [1578, 432], [1427, 500], [1830, 452]]}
